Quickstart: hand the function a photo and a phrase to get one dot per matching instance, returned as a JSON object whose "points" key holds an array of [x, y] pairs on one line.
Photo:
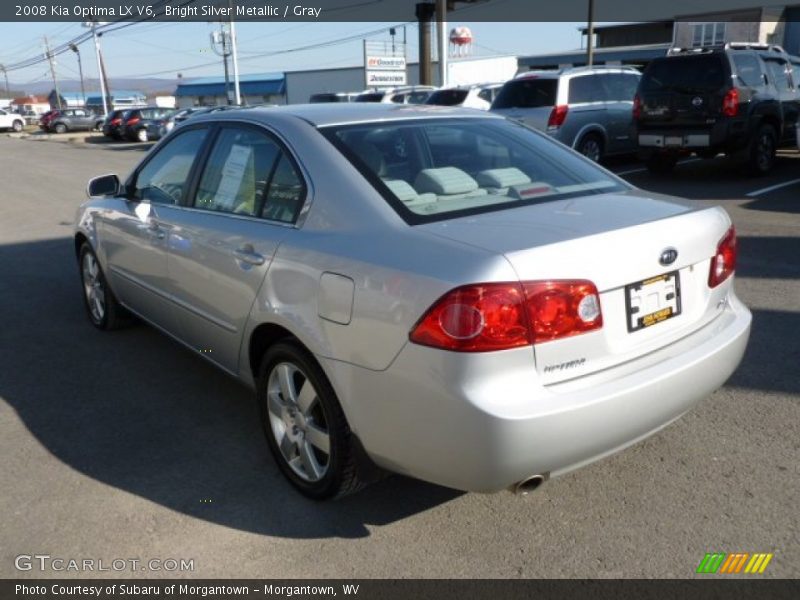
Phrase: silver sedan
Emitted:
{"points": [[421, 290]]}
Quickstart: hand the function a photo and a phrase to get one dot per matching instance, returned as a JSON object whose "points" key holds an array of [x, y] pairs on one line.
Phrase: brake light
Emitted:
{"points": [[499, 316], [133, 121], [637, 107], [724, 262], [730, 104], [557, 116], [116, 121]]}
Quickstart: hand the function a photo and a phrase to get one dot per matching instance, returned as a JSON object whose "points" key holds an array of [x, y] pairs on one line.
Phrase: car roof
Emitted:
{"points": [[324, 114]]}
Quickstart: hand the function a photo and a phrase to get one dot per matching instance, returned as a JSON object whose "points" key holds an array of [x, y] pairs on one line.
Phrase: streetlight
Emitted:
{"points": [[77, 52]]}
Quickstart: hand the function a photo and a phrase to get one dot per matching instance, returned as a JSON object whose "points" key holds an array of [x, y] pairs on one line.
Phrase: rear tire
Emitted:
{"points": [[762, 151], [102, 307], [141, 135], [591, 146], [661, 164], [305, 427], [60, 128]]}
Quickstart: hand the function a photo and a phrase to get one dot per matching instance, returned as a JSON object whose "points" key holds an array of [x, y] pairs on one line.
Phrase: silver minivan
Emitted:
{"points": [[587, 108]]}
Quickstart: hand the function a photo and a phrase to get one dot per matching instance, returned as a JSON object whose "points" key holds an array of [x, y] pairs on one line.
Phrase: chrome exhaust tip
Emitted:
{"points": [[529, 484]]}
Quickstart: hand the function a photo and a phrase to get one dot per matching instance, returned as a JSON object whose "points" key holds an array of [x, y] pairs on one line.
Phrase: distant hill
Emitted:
{"points": [[146, 85]]}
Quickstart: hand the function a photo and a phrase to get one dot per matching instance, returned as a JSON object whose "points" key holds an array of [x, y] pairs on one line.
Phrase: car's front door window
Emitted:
{"points": [[164, 177]]}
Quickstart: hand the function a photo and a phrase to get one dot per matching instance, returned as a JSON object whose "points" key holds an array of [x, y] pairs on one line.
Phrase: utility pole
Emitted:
{"points": [[221, 37], [52, 71], [590, 35], [441, 31], [8, 91], [101, 71], [237, 95], [77, 52], [424, 12]]}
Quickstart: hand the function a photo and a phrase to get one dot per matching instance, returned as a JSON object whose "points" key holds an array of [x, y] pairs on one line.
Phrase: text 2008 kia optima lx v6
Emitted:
{"points": [[440, 293]]}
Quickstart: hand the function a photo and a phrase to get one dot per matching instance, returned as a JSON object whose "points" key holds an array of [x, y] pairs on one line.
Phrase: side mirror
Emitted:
{"points": [[105, 185]]}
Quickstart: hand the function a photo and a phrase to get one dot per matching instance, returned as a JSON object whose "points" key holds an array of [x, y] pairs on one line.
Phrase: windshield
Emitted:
{"points": [[684, 74], [436, 169], [528, 92]]}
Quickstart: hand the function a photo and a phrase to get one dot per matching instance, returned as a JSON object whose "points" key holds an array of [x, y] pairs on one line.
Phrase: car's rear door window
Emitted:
{"points": [[620, 87], [527, 92], [434, 169], [586, 88], [748, 69], [248, 173]]}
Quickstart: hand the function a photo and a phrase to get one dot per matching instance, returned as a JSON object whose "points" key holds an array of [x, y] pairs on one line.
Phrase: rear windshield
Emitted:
{"points": [[437, 169], [447, 97], [326, 98], [686, 74], [527, 93]]}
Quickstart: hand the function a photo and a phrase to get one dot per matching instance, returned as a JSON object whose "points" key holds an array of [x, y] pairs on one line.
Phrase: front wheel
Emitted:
{"points": [[305, 427], [141, 135], [60, 128], [17, 126], [104, 311]]}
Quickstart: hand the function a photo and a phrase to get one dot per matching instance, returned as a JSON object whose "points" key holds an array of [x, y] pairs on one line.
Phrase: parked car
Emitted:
{"points": [[45, 118], [73, 119], [112, 124], [414, 94], [138, 122], [439, 292], [738, 99], [587, 108], [9, 120], [478, 96], [333, 97]]}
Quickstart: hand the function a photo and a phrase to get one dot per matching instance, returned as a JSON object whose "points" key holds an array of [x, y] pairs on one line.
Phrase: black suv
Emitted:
{"points": [[739, 99]]}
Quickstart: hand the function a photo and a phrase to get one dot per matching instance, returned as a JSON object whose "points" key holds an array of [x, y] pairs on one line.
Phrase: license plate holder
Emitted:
{"points": [[652, 301], [673, 141]]}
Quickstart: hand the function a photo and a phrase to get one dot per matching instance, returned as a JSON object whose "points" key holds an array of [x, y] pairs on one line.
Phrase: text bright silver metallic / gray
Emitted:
{"points": [[436, 292]]}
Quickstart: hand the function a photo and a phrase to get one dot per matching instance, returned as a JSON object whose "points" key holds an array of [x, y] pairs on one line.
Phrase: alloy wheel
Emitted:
{"points": [[298, 422], [93, 287], [591, 149]]}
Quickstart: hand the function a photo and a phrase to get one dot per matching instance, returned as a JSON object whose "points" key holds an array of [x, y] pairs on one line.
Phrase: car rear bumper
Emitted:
{"points": [[482, 422], [723, 136]]}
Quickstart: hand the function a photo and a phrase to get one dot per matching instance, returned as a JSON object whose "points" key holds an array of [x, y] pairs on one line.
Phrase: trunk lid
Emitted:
{"points": [[615, 241]]}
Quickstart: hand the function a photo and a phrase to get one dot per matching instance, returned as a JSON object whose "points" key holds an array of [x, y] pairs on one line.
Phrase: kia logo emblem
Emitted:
{"points": [[697, 101], [668, 256]]}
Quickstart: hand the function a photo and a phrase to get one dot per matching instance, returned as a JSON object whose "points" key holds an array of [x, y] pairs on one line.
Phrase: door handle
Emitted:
{"points": [[248, 255]]}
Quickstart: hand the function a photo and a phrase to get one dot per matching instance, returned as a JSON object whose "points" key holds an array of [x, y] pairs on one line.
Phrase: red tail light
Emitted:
{"points": [[132, 121], [730, 104], [499, 316], [637, 107], [115, 121], [724, 262], [557, 116]]}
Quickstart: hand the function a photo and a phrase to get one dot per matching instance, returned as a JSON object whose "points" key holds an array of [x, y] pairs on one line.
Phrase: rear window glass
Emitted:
{"points": [[444, 168], [527, 93], [447, 97], [684, 74]]}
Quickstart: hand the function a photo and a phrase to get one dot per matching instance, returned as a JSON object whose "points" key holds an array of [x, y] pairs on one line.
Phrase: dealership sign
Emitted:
{"points": [[385, 78], [386, 63]]}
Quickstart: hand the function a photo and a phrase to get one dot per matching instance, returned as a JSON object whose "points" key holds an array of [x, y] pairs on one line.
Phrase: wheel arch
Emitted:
{"points": [[591, 129], [262, 338]]}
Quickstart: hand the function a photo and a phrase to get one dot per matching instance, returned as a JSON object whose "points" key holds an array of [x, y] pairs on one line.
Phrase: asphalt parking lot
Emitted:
{"points": [[126, 445]]}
